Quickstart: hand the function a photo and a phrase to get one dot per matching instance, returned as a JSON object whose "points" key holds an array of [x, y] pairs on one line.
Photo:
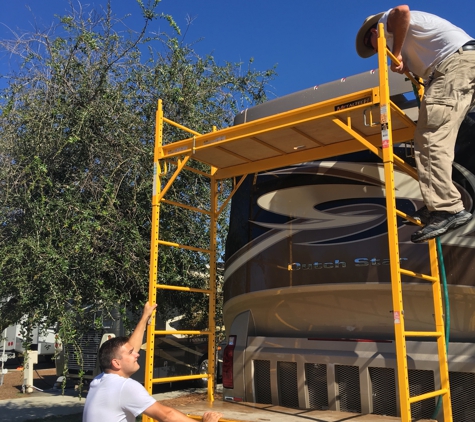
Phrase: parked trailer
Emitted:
{"points": [[42, 340], [307, 290]]}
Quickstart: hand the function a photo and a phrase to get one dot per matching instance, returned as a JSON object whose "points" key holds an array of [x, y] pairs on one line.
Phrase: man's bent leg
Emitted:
{"points": [[447, 100]]}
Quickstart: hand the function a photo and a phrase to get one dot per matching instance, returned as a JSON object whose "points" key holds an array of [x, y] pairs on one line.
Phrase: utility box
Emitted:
{"points": [[31, 358]]}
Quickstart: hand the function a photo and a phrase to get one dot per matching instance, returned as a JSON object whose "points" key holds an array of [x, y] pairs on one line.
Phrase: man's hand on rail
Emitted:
{"points": [[399, 68], [148, 310], [211, 416]]}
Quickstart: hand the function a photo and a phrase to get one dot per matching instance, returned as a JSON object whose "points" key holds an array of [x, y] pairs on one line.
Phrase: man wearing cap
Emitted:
{"points": [[443, 55]]}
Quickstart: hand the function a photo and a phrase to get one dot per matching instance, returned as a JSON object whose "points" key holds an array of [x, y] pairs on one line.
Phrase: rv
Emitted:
{"points": [[307, 288]]}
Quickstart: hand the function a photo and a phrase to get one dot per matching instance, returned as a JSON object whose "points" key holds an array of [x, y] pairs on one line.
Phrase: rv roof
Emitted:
{"points": [[399, 85]]}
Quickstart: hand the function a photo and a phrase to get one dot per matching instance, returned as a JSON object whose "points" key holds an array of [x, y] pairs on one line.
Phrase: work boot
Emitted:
{"points": [[439, 223], [422, 215]]}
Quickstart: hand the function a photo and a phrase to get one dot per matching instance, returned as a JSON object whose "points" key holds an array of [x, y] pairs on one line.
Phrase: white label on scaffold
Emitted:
{"points": [[397, 319], [384, 113], [384, 135], [154, 190]]}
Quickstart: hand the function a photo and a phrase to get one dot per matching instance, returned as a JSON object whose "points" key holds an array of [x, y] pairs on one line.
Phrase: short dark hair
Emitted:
{"points": [[109, 350]]}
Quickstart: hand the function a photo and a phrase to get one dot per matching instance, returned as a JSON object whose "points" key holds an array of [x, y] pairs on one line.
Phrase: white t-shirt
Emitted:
{"points": [[112, 398], [429, 40]]}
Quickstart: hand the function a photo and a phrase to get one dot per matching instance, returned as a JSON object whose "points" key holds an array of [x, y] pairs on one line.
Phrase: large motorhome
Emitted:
{"points": [[307, 293]]}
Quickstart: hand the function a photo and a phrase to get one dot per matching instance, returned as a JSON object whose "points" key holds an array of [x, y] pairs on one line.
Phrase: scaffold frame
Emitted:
{"points": [[315, 132]]}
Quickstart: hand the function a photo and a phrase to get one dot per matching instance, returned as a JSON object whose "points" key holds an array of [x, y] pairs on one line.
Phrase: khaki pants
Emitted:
{"points": [[447, 99]]}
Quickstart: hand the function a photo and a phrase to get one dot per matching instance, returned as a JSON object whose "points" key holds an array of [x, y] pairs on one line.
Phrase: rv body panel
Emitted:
{"points": [[307, 269]]}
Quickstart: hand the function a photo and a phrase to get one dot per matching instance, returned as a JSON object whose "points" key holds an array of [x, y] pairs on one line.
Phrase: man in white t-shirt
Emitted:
{"points": [[115, 397], [444, 56]]}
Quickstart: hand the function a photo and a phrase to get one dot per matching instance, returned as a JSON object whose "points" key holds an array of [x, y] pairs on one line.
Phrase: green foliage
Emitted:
{"points": [[77, 127]]}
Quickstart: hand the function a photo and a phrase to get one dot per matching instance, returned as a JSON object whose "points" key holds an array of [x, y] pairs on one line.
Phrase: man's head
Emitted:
{"points": [[365, 39], [118, 356]]}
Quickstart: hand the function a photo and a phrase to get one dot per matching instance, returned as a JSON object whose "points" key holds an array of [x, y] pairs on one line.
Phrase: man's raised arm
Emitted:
{"points": [[136, 337]]}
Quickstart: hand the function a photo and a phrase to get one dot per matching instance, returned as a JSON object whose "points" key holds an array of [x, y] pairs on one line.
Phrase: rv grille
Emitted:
{"points": [[288, 387], [462, 390], [262, 381], [316, 379], [383, 388], [348, 382], [383, 384], [421, 382], [89, 345]]}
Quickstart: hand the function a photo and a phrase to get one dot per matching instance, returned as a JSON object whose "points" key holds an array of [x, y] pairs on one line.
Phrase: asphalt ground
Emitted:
{"points": [[53, 403]]}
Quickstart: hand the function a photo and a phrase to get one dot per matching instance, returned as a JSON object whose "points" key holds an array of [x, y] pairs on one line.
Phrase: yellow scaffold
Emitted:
{"points": [[286, 139]]}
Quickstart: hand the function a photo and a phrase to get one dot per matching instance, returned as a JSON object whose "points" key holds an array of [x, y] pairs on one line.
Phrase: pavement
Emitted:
{"points": [[252, 412], [52, 402], [48, 404], [40, 405]]}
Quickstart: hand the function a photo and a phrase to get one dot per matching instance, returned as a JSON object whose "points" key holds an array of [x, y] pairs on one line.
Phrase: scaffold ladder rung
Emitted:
{"points": [[419, 275], [426, 396], [434, 334]]}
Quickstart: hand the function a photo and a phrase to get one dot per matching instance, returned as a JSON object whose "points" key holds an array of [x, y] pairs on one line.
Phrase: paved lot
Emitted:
{"points": [[52, 402], [258, 413]]}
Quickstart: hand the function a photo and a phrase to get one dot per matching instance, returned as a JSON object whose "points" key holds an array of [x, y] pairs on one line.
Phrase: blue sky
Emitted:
{"points": [[310, 41]]}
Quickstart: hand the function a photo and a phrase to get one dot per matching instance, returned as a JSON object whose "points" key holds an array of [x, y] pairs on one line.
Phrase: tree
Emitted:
{"points": [[77, 126]]}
